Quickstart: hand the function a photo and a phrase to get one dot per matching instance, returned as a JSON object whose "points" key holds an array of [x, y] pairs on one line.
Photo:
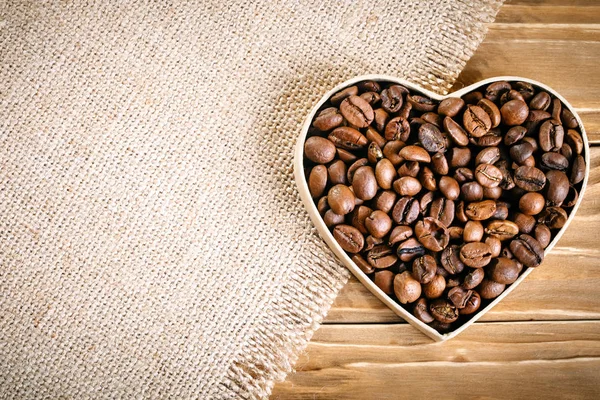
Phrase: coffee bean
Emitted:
{"points": [[450, 260], [421, 311], [435, 288], [337, 98], [472, 97], [552, 160], [473, 231], [503, 270], [578, 170], [378, 224], [369, 86], [489, 155], [492, 138], [455, 232], [328, 119], [575, 140], [475, 255], [495, 245], [551, 135], [380, 120], [480, 210], [502, 229], [381, 256], [520, 152], [409, 168], [349, 238], [449, 187], [488, 175], [497, 89], [532, 203], [397, 129], [407, 186], [553, 217], [322, 205], [432, 234], [473, 304], [514, 112], [476, 121], [362, 264], [354, 167], [391, 151], [427, 179], [399, 234], [460, 212], [471, 191], [425, 202], [319, 150], [406, 211], [540, 101], [525, 89], [459, 296], [317, 181], [337, 172], [424, 268], [443, 311], [415, 153], [364, 183], [442, 209], [384, 200], [371, 242], [345, 156], [421, 103], [557, 188], [463, 175], [341, 199], [501, 211], [492, 110], [527, 250], [385, 173], [568, 119], [459, 157], [543, 235], [374, 153], [391, 98], [526, 223], [432, 139], [530, 178], [572, 197], [332, 219], [358, 218], [511, 95], [439, 164], [371, 97], [473, 278], [348, 138], [489, 289], [406, 288], [410, 249], [514, 134], [451, 106], [384, 280]]}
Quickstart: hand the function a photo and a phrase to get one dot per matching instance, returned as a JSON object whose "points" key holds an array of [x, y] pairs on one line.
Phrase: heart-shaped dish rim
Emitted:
{"points": [[302, 184]]}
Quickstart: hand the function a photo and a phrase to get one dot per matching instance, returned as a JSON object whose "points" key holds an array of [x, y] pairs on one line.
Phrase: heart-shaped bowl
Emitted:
{"points": [[302, 183]]}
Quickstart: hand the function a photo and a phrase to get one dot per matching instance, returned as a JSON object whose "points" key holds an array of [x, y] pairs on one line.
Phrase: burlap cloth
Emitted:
{"points": [[152, 241]]}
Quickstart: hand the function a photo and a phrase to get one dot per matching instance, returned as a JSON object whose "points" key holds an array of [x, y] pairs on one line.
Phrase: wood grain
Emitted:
{"points": [[490, 360]]}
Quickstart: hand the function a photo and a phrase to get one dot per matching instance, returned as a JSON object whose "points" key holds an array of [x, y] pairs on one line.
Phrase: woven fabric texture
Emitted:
{"points": [[152, 240]]}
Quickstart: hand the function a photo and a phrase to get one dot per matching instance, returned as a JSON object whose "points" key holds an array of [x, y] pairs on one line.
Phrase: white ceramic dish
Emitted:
{"points": [[343, 256]]}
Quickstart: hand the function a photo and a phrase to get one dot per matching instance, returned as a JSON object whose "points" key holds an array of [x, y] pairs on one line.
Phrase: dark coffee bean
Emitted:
{"points": [[578, 170], [354, 167], [511, 95], [317, 181], [540, 101], [496, 89], [435, 288], [345, 156], [552, 160], [410, 249], [553, 217], [476, 121], [369, 86], [364, 183], [459, 157], [332, 219], [572, 197], [349, 238], [475, 255], [328, 119], [406, 211], [526, 223], [551, 135], [371, 97], [322, 205], [432, 234], [409, 168], [529, 178], [397, 129], [473, 278], [532, 203], [450, 260], [480, 210], [568, 119], [391, 98], [525, 89], [425, 202], [503, 270], [319, 150], [489, 155], [358, 218], [492, 138], [378, 224], [455, 232], [424, 268], [472, 97], [442, 209], [443, 311], [488, 175], [348, 138], [502, 229], [459, 296], [337, 98], [492, 110], [421, 311], [384, 200], [451, 106], [381, 256], [449, 187], [473, 304], [506, 253], [495, 244], [421, 103], [380, 120], [374, 153], [520, 152], [407, 186], [514, 112], [527, 250], [514, 134], [432, 139], [427, 179], [406, 288], [385, 173], [471, 191], [371, 242], [575, 140], [415, 153], [432, 118], [556, 109], [557, 188], [337, 171], [391, 151], [501, 210], [362, 264], [460, 212], [543, 235], [439, 164], [463, 175], [473, 232], [384, 280], [489, 289], [455, 132], [341, 199], [399, 234]]}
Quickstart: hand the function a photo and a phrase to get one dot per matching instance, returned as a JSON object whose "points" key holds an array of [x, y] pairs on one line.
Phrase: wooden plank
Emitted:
{"points": [[545, 13], [565, 287], [489, 360]]}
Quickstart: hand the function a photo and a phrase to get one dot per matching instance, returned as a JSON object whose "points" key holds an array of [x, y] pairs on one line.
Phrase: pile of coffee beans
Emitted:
{"points": [[443, 204]]}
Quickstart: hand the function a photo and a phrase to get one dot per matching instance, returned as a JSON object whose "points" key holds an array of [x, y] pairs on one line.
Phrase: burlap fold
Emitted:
{"points": [[152, 241]]}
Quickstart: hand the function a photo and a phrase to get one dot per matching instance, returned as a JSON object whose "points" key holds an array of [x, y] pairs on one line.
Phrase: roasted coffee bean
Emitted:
{"points": [[371, 97], [384, 200], [345, 156], [473, 304], [374, 153], [527, 250], [442, 209], [337, 98], [432, 234], [358, 218], [349, 238], [502, 229], [319, 150], [489, 289], [415, 153], [578, 170], [364, 183], [557, 188], [391, 151], [380, 120], [476, 121], [520, 152], [472, 97], [455, 132], [556, 109], [421, 103], [407, 186], [553, 217], [348, 138], [492, 110], [525, 89], [381, 256], [322, 205], [427, 179], [511, 95], [406, 211], [332, 219], [463, 175], [543, 235], [495, 245], [385, 173], [397, 129], [341, 199], [540, 101], [409, 168], [328, 119], [526, 223], [568, 119], [425, 202], [369, 86], [575, 140], [378, 224], [480, 210], [406, 288], [371, 242], [488, 175], [432, 139], [530, 179], [410, 249], [455, 232], [391, 98], [449, 187], [459, 296], [551, 135], [460, 212], [451, 261], [475, 255], [399, 234], [532, 203], [384, 280], [471, 191], [572, 197], [459, 157], [432, 118], [354, 167], [492, 138], [421, 311], [435, 288], [473, 278], [503, 270], [553, 160], [337, 171], [514, 112], [373, 136], [473, 231], [496, 89], [443, 311], [439, 164], [317, 181], [361, 263], [451, 106], [489, 155], [501, 212], [514, 134], [424, 268]]}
